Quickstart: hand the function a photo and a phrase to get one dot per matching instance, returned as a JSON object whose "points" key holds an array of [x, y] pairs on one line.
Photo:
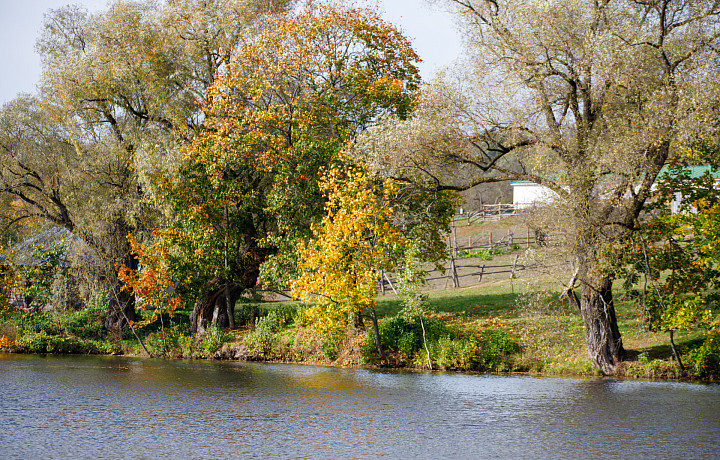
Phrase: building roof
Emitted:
{"points": [[695, 171], [74, 249]]}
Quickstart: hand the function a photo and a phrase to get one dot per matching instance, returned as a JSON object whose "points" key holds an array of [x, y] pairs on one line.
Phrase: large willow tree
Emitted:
{"points": [[120, 95], [590, 98]]}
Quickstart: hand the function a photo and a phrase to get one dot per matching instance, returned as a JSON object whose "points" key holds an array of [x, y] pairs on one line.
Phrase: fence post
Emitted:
{"points": [[390, 282], [454, 238], [527, 237], [490, 245], [382, 282], [482, 271], [455, 277]]}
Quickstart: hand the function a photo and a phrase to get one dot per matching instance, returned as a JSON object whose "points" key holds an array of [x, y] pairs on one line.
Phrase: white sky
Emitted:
{"points": [[432, 31]]}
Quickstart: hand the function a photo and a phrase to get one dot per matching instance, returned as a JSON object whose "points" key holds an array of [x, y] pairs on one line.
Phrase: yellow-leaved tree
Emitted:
{"points": [[370, 226]]}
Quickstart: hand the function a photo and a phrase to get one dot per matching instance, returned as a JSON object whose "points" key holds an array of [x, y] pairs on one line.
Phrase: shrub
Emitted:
{"points": [[492, 350], [37, 322], [329, 348], [704, 361], [451, 353], [212, 340], [264, 337], [88, 322], [42, 342], [406, 336], [368, 350], [247, 313]]}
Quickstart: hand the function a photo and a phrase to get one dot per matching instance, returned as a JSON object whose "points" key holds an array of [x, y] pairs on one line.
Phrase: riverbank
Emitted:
{"points": [[490, 329], [496, 328], [506, 321]]}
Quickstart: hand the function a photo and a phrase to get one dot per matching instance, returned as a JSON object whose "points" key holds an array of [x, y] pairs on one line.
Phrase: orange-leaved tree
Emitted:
{"points": [[278, 112], [151, 283]]}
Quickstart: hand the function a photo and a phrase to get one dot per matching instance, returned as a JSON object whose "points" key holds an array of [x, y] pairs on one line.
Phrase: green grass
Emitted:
{"points": [[476, 301]]}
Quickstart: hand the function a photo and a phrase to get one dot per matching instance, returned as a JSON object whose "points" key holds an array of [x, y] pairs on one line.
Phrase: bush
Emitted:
{"points": [[492, 350], [212, 340], [451, 353], [42, 342], [264, 337], [329, 348], [88, 322], [482, 254], [368, 350], [247, 313], [37, 322], [704, 361], [406, 336]]}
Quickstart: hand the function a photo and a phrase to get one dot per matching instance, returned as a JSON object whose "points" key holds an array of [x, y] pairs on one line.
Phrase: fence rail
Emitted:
{"points": [[491, 212]]}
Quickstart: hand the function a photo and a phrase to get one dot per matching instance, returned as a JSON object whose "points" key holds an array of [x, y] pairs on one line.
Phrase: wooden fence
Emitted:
{"points": [[457, 268], [490, 212]]}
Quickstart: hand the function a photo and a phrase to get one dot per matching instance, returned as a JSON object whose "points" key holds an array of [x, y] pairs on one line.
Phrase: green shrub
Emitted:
{"points": [[406, 336], [88, 322], [42, 342], [37, 322], [288, 313], [264, 337], [368, 349], [212, 340], [492, 350], [104, 347], [451, 353], [329, 348], [247, 313], [482, 254], [704, 361]]}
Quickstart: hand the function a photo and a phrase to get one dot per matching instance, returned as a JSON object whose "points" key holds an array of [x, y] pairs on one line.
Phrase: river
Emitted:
{"points": [[117, 407]]}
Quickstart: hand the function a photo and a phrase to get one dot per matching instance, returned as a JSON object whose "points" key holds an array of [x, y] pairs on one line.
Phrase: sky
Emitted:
{"points": [[431, 30]]}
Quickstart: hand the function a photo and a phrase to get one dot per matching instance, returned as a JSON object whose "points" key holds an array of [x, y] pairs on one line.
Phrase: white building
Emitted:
{"points": [[527, 194]]}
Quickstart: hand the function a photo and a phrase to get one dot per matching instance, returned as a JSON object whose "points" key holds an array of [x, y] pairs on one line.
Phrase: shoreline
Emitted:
{"points": [[221, 356]]}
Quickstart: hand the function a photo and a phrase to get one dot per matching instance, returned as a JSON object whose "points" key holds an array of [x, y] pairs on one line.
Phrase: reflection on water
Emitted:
{"points": [[92, 407]]}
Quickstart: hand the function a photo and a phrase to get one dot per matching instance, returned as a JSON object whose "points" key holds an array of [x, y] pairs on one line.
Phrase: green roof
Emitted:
{"points": [[695, 171]]}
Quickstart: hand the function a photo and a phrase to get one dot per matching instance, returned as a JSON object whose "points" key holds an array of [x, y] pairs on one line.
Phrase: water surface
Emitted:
{"points": [[116, 407]]}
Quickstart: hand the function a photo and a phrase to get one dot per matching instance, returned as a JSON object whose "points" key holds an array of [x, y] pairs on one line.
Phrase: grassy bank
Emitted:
{"points": [[488, 329], [512, 323]]}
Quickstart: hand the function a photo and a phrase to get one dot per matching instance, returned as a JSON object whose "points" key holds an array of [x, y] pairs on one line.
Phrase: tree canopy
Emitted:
{"points": [[588, 98], [281, 110]]}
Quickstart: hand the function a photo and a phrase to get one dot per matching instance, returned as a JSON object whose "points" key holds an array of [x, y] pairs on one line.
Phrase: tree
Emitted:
{"points": [[589, 98], [674, 256], [286, 103], [121, 94], [38, 167], [340, 267], [369, 228]]}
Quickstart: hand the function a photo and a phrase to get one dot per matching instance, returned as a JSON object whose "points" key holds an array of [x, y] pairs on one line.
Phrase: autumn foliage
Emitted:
{"points": [[279, 112], [152, 283], [341, 265]]}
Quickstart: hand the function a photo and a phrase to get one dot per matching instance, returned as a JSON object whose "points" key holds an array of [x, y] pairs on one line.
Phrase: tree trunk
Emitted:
{"points": [[378, 342], [602, 335], [217, 308], [122, 302], [122, 310]]}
